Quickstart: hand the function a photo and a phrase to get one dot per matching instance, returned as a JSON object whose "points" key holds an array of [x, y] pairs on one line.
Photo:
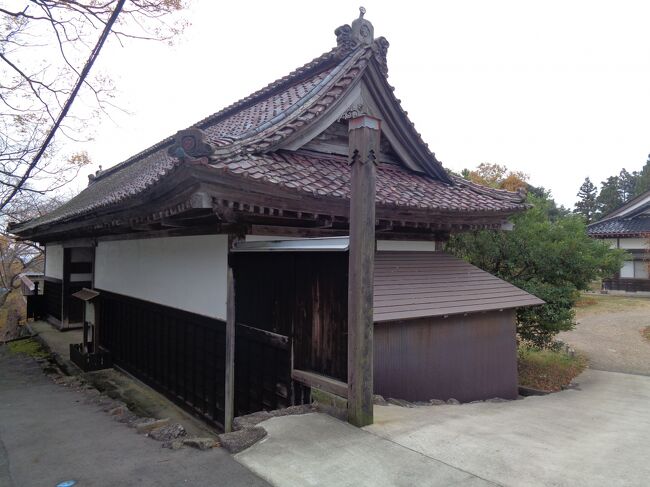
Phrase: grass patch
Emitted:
{"points": [[645, 333], [606, 303], [28, 347], [548, 370]]}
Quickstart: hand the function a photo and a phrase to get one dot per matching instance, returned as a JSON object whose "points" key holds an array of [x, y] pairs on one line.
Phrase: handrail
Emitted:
{"points": [[322, 382]]}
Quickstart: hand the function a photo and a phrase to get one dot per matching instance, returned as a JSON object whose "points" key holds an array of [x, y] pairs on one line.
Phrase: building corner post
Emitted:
{"points": [[364, 135], [229, 396]]}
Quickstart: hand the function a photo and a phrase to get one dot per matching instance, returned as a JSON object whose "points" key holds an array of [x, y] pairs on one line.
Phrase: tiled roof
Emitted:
{"points": [[246, 134], [321, 175], [617, 227]]}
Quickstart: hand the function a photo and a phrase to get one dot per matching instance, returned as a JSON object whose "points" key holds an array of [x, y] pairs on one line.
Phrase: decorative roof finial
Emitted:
{"points": [[361, 33]]}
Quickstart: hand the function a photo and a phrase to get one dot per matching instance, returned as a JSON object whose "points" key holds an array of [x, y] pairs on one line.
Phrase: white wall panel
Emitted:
{"points": [[54, 261], [187, 273], [634, 243]]}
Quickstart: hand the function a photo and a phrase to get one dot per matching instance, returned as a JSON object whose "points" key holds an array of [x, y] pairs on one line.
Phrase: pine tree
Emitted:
{"points": [[609, 198], [626, 184], [586, 205], [643, 179]]}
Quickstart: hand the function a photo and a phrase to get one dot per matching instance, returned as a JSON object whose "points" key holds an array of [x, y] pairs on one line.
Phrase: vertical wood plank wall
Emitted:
{"points": [[179, 353], [465, 357], [626, 284], [52, 290], [302, 296]]}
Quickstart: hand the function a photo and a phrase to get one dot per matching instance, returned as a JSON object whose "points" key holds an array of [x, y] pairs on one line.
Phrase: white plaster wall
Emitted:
{"points": [[406, 245], [54, 261], [634, 243], [187, 273]]}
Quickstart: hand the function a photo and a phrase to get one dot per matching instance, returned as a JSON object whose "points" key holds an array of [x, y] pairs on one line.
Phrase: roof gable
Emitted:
{"points": [[261, 139], [400, 143], [631, 219]]}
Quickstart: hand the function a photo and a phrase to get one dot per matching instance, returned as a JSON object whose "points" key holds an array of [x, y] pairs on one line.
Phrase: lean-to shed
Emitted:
{"points": [[443, 328]]}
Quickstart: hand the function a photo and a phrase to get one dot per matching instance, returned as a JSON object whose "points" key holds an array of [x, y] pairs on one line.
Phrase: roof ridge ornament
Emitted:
{"points": [[192, 142], [361, 33], [348, 38]]}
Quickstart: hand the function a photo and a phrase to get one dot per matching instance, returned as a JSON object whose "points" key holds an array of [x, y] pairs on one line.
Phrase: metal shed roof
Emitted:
{"points": [[422, 284], [323, 244]]}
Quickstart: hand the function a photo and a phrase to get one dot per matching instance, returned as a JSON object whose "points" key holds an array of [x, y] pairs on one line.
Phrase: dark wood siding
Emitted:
{"points": [[262, 371], [76, 306], [465, 357], [52, 291], [179, 353], [627, 285], [302, 296]]}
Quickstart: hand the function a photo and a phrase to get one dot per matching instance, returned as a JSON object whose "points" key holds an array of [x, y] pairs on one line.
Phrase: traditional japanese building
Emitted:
{"points": [[628, 228], [255, 188]]}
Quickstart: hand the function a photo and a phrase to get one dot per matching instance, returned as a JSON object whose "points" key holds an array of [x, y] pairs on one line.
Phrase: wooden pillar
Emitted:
{"points": [[364, 134], [229, 402], [65, 288]]}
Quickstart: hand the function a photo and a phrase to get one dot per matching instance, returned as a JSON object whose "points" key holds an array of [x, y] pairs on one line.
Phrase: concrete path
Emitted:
{"points": [[318, 450], [594, 435], [48, 435]]}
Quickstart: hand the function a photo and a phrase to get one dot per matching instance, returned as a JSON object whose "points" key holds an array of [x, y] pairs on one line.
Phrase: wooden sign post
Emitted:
{"points": [[364, 134]]}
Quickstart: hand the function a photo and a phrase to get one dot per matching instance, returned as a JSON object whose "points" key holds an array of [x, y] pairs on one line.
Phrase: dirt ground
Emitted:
{"points": [[609, 333]]}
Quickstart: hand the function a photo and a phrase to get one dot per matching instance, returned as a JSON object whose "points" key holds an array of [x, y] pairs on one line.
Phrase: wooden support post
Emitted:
{"points": [[364, 134], [65, 288], [229, 406]]}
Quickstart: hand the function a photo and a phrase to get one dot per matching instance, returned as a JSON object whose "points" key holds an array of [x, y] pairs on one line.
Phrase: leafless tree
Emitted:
{"points": [[46, 50], [17, 257]]}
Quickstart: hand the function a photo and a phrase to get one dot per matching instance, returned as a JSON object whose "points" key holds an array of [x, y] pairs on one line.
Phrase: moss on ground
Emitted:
{"points": [[28, 347], [548, 370]]}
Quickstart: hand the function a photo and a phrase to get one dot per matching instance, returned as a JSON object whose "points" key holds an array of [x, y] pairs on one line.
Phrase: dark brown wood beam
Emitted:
{"points": [[327, 384], [364, 134]]}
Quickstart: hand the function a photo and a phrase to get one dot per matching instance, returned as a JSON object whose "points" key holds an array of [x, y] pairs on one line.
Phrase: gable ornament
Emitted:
{"points": [[360, 33], [192, 142]]}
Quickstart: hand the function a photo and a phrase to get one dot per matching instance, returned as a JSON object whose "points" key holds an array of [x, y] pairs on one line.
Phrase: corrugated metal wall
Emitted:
{"points": [[465, 357]]}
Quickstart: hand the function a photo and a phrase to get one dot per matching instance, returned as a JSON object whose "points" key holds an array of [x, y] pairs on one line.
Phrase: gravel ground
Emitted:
{"points": [[609, 334]]}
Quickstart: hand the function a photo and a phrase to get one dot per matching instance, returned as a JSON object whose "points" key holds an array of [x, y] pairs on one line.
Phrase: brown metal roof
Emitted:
{"points": [[420, 284]]}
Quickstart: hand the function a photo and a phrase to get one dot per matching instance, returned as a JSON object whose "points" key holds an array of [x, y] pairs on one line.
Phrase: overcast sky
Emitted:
{"points": [[557, 89]]}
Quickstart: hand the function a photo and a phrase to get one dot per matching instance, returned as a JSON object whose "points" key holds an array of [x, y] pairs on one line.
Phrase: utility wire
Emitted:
{"points": [[82, 77]]}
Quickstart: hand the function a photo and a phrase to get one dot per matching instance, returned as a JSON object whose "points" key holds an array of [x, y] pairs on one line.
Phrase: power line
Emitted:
{"points": [[82, 77]]}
